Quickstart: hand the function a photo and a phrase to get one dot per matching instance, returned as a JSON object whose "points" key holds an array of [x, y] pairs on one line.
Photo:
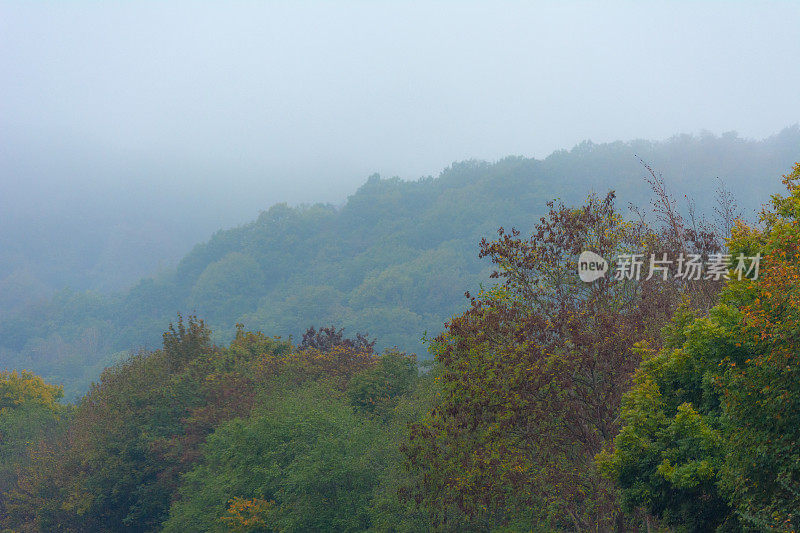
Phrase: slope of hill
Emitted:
{"points": [[393, 261]]}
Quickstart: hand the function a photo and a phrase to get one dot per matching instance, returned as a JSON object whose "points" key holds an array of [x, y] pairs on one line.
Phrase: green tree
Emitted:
{"points": [[303, 451], [669, 453], [377, 390], [711, 425]]}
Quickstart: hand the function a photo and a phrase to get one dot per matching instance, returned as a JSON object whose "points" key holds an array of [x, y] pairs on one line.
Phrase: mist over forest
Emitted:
{"points": [[394, 260], [322, 266]]}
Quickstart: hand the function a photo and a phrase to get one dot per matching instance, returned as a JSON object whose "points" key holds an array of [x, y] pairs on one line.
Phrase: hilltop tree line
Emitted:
{"points": [[653, 404]]}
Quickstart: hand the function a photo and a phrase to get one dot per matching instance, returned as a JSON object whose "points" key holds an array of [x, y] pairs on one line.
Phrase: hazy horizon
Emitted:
{"points": [[130, 132], [299, 102]]}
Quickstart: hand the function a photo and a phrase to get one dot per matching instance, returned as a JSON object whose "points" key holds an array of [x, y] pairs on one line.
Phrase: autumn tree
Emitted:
{"points": [[327, 338], [710, 428], [29, 411], [532, 375], [760, 390], [107, 470]]}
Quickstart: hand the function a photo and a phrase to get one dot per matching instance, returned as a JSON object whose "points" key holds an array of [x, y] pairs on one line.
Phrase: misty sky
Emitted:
{"points": [[263, 102]]}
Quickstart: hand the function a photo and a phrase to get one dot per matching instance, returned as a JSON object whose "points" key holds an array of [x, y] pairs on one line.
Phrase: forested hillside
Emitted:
{"points": [[631, 403], [394, 261]]}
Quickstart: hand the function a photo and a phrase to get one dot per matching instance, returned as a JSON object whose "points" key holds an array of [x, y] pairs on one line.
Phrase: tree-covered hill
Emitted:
{"points": [[626, 404], [394, 260]]}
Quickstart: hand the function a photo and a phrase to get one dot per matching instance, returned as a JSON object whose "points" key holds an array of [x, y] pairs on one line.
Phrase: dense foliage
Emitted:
{"points": [[710, 429], [552, 404], [533, 373], [29, 411], [195, 437], [394, 260]]}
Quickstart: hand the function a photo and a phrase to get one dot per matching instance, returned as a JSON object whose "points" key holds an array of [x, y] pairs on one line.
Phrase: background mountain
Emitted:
{"points": [[393, 261]]}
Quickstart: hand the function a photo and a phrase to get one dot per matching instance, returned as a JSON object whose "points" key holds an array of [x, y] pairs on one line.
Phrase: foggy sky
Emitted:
{"points": [[247, 104]]}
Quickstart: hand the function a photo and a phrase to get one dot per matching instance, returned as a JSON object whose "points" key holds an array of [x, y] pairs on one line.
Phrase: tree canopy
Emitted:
{"points": [[652, 402]]}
